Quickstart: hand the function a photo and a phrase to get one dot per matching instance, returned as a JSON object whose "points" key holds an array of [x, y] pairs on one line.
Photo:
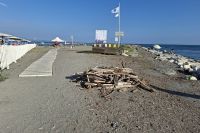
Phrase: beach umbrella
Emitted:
{"points": [[25, 40], [57, 39], [15, 38], [2, 36]]}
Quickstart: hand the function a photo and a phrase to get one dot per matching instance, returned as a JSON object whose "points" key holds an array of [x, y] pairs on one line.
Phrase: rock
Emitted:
{"points": [[192, 78], [186, 67], [182, 61], [162, 58], [157, 47], [115, 125], [169, 72], [186, 63], [145, 48], [165, 51], [195, 68], [191, 70], [179, 63], [198, 73], [124, 54], [171, 61]]}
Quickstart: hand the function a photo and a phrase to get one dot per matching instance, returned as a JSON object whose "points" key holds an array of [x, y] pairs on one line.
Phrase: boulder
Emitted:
{"points": [[192, 78], [171, 61], [124, 54], [157, 47], [170, 72], [186, 67]]}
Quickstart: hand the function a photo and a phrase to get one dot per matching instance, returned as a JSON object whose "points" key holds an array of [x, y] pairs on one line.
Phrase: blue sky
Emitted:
{"points": [[143, 21]]}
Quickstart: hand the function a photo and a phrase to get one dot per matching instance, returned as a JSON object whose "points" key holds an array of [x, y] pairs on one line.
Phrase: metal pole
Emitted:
{"points": [[2, 40], [119, 24], [72, 38]]}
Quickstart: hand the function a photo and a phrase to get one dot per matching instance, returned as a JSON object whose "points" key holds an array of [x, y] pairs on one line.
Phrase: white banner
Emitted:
{"points": [[101, 36]]}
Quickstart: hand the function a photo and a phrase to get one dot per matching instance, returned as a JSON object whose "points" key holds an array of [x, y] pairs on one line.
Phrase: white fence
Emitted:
{"points": [[10, 53]]}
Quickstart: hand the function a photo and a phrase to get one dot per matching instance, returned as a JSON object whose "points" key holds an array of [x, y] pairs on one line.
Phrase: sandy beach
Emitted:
{"points": [[54, 104]]}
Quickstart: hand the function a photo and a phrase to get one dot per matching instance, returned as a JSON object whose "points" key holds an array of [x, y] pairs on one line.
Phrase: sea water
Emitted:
{"points": [[191, 51]]}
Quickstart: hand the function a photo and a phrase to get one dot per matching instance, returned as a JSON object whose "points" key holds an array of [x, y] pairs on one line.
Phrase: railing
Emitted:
{"points": [[10, 53]]}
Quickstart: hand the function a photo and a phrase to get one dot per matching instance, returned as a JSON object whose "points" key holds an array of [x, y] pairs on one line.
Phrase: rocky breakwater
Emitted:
{"points": [[189, 66]]}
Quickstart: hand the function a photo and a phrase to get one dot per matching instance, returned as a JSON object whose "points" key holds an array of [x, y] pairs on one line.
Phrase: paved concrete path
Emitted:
{"points": [[41, 67]]}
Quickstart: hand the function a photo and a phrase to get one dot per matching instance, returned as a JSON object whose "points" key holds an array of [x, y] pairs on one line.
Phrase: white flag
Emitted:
{"points": [[117, 15], [116, 11]]}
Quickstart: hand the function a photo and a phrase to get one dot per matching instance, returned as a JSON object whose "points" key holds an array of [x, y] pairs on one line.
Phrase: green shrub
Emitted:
{"points": [[128, 49], [2, 77]]}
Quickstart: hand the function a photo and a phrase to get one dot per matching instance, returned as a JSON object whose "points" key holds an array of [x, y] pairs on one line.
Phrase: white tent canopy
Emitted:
{"points": [[57, 39]]}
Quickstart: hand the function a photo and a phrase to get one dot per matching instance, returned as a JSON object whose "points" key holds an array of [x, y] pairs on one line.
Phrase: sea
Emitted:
{"points": [[191, 51]]}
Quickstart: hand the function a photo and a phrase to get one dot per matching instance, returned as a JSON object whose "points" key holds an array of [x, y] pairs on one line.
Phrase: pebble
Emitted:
{"points": [[115, 124]]}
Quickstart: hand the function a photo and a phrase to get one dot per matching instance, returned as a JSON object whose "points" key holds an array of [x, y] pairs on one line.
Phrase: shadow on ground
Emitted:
{"points": [[76, 78], [87, 52], [73, 77], [177, 93]]}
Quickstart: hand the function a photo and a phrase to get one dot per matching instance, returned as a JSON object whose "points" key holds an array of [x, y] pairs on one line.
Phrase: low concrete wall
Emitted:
{"points": [[10, 53]]}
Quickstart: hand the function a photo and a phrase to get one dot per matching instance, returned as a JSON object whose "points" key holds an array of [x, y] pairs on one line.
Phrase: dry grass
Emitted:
{"points": [[2, 77]]}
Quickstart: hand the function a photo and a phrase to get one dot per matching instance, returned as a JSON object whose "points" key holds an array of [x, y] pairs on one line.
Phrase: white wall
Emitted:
{"points": [[10, 53]]}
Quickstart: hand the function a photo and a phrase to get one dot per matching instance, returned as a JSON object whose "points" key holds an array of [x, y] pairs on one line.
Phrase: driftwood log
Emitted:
{"points": [[110, 79]]}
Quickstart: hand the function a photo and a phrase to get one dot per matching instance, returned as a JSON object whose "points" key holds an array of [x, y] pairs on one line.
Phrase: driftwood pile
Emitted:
{"points": [[110, 79]]}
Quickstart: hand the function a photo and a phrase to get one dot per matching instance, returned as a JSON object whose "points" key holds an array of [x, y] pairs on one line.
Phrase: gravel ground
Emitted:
{"points": [[54, 104]]}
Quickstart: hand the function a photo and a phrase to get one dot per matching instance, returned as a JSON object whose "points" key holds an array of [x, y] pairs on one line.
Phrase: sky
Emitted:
{"points": [[142, 21]]}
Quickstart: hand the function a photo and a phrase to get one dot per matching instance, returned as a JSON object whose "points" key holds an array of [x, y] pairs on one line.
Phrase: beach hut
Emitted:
{"points": [[57, 41]]}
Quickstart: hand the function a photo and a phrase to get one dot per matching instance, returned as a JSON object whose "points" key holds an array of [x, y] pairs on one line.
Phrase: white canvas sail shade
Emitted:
{"points": [[57, 39]]}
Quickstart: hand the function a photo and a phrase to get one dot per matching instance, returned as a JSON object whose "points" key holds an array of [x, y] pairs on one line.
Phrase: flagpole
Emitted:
{"points": [[119, 24]]}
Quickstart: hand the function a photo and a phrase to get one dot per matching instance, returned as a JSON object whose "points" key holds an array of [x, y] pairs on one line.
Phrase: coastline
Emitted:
{"points": [[188, 65], [189, 51]]}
